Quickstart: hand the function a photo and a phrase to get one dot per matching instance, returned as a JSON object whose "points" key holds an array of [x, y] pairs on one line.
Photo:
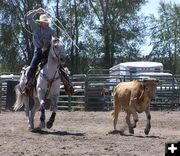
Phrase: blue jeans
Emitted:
{"points": [[37, 57]]}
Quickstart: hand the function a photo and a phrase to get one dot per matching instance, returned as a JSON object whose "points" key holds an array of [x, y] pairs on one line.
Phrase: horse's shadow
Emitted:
{"points": [[58, 133], [114, 132]]}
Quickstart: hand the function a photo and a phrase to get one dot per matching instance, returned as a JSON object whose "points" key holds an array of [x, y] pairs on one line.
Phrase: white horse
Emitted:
{"points": [[47, 87]]}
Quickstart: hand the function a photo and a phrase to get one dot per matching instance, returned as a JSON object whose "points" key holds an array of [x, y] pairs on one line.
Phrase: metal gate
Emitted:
{"points": [[100, 85], [93, 92]]}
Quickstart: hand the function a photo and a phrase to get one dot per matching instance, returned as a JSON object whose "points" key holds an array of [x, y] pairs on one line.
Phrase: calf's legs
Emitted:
{"points": [[135, 117], [148, 125], [131, 129], [132, 111], [115, 114]]}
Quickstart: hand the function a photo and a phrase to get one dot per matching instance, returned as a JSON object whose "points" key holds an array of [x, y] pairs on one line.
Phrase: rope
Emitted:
{"points": [[25, 27], [63, 30]]}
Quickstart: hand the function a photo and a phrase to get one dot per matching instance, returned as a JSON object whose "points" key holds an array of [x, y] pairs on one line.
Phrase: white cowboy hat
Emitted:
{"points": [[43, 18]]}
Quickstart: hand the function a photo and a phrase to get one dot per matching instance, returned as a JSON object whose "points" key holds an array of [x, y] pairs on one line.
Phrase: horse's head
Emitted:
{"points": [[57, 50]]}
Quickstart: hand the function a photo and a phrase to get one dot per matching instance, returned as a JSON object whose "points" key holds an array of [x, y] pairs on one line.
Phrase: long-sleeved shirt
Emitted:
{"points": [[41, 36]]}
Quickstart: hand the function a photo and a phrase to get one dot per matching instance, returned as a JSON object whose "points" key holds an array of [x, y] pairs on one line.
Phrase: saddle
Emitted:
{"points": [[29, 89], [30, 85]]}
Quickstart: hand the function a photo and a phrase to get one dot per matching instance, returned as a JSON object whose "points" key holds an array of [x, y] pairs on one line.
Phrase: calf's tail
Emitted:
{"points": [[116, 106]]}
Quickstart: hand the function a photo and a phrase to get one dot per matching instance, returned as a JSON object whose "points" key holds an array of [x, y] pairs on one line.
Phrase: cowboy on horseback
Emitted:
{"points": [[42, 35]]}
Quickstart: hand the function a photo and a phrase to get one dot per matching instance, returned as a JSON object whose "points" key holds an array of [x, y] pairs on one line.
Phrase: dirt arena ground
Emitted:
{"points": [[86, 134]]}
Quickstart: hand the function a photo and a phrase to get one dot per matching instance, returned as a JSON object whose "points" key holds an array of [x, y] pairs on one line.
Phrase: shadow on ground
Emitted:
{"points": [[60, 133], [114, 132]]}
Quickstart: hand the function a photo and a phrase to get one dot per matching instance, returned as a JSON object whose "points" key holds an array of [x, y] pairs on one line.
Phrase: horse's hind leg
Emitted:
{"points": [[27, 111], [32, 112], [26, 106]]}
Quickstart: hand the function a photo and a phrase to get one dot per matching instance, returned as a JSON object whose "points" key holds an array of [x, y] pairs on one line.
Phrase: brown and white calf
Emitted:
{"points": [[134, 97]]}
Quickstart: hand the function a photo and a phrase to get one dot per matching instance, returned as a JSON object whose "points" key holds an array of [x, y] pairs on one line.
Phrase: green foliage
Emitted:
{"points": [[165, 35], [120, 28], [107, 32], [15, 42]]}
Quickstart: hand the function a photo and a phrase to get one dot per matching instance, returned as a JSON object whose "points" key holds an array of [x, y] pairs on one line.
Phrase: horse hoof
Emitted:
{"points": [[146, 131], [49, 124], [30, 128], [134, 126], [131, 131], [36, 130]]}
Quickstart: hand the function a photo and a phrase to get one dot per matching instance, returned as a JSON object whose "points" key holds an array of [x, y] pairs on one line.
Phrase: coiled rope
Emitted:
{"points": [[53, 19]]}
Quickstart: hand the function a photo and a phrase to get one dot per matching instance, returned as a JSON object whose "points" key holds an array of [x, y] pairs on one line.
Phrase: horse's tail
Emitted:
{"points": [[19, 98]]}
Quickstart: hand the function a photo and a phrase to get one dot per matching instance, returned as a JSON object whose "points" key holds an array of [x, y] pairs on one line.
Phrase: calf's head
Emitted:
{"points": [[149, 87]]}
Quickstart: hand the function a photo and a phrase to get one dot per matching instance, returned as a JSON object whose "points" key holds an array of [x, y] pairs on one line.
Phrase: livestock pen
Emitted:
{"points": [[93, 92]]}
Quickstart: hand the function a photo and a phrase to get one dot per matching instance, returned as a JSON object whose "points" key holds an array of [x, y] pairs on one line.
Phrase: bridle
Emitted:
{"points": [[55, 55]]}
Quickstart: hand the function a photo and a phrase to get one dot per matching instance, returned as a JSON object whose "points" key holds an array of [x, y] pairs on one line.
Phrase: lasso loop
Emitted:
{"points": [[63, 30]]}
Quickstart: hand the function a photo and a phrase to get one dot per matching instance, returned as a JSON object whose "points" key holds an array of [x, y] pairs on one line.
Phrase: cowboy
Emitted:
{"points": [[42, 35]]}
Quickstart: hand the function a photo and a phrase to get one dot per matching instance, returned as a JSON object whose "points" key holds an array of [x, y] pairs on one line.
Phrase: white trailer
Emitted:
{"points": [[132, 68], [129, 70]]}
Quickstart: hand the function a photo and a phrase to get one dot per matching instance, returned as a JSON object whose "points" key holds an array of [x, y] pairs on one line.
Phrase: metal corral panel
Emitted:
{"points": [[93, 93]]}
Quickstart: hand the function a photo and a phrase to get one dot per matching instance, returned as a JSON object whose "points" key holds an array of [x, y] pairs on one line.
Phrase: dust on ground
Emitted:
{"points": [[87, 134]]}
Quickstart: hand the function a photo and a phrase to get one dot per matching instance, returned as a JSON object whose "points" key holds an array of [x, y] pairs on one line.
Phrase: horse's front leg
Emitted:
{"points": [[41, 96], [51, 120], [42, 119], [53, 109]]}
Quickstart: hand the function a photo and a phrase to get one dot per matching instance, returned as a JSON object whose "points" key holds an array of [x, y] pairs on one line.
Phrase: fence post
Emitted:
{"points": [[69, 97], [0, 95], [69, 103], [11, 96]]}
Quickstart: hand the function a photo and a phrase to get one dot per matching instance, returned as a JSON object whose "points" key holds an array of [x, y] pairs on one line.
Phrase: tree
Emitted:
{"points": [[72, 16], [119, 27], [165, 36], [15, 42]]}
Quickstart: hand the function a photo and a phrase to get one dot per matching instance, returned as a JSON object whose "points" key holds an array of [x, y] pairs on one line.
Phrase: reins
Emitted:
{"points": [[50, 81]]}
